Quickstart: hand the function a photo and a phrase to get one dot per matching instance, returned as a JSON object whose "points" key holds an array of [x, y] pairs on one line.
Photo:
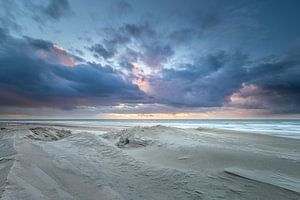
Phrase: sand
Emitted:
{"points": [[60, 162]]}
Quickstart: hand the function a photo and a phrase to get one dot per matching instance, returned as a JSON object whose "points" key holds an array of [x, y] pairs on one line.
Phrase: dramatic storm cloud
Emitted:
{"points": [[148, 57], [38, 73]]}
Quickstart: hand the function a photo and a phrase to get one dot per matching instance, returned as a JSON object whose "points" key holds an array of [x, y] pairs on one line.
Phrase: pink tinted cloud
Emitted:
{"points": [[251, 96], [57, 55]]}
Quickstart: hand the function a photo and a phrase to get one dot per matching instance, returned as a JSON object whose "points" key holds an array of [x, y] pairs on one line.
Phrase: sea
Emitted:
{"points": [[280, 128]]}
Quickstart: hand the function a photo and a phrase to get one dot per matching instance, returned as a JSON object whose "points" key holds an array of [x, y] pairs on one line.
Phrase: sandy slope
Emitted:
{"points": [[145, 163]]}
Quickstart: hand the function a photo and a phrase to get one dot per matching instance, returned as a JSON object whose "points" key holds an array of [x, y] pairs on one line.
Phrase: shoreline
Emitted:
{"points": [[207, 129]]}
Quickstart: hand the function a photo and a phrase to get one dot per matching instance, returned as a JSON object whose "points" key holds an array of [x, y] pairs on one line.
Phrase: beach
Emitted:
{"points": [[48, 161]]}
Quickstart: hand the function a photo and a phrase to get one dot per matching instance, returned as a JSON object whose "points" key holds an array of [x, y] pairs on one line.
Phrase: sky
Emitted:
{"points": [[149, 59]]}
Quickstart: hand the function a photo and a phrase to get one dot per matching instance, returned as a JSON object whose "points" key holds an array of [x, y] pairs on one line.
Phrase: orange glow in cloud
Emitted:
{"points": [[57, 54], [140, 80], [59, 48], [142, 84], [63, 56]]}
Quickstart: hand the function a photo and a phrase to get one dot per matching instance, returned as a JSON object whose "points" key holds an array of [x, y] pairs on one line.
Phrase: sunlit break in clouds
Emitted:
{"points": [[149, 59]]}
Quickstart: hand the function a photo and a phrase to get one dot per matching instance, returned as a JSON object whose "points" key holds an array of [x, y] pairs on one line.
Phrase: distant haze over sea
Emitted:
{"points": [[281, 128]]}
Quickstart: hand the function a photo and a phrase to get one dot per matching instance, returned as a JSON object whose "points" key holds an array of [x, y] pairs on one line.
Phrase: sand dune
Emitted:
{"points": [[275, 179], [48, 134], [48, 162]]}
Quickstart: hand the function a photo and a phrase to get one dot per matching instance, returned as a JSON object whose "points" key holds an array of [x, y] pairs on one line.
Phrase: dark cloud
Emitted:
{"points": [[116, 38], [280, 82], [149, 47], [123, 35], [38, 43], [52, 52], [34, 73], [201, 54], [130, 55], [155, 55], [205, 84], [225, 79], [126, 65], [57, 8], [100, 51], [28, 80]]}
